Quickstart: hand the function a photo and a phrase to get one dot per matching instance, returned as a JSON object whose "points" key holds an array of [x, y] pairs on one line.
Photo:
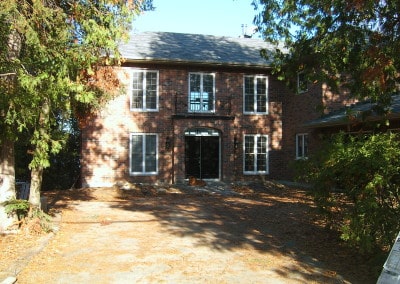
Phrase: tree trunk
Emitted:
{"points": [[36, 184], [7, 155], [7, 181], [40, 151]]}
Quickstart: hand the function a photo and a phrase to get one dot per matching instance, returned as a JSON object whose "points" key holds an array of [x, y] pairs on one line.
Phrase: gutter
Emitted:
{"points": [[197, 63]]}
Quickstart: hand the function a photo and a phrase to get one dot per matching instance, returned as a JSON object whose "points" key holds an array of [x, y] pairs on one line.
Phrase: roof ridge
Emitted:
{"points": [[197, 34]]}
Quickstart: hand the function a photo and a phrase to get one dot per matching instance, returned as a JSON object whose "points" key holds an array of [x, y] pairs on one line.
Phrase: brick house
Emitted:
{"points": [[198, 105]]}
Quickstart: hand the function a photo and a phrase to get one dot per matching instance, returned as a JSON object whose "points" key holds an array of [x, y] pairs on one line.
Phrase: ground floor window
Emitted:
{"points": [[301, 146], [255, 154], [143, 154]]}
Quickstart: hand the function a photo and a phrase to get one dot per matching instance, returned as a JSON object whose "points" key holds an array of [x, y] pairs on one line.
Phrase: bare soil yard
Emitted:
{"points": [[265, 233]]}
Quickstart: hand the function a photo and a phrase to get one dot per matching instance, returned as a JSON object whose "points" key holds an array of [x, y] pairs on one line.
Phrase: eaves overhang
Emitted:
{"points": [[154, 61]]}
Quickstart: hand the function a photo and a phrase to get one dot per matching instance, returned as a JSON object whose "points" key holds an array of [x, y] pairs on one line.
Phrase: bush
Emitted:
{"points": [[36, 219], [366, 170], [18, 207]]}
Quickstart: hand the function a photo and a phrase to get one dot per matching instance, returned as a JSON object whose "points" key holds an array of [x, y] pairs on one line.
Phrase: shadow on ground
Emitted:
{"points": [[280, 221]]}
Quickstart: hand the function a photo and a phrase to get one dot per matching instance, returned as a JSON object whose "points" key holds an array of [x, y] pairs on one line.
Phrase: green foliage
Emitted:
{"points": [[366, 170], [346, 44], [54, 56], [18, 207], [352, 46], [24, 212], [64, 167]]}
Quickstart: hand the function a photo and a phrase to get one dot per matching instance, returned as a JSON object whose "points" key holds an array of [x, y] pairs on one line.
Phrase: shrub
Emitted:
{"points": [[36, 219], [366, 170], [18, 207]]}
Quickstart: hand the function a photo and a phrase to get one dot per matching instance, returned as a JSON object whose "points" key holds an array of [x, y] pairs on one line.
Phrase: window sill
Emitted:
{"points": [[255, 113], [301, 158], [143, 110], [255, 173], [143, 174]]}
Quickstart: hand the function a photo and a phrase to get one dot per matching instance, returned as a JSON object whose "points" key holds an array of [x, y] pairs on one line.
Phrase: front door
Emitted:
{"points": [[202, 155]]}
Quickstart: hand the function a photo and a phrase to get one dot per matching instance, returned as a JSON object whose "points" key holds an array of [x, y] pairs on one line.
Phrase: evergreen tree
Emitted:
{"points": [[56, 59]]}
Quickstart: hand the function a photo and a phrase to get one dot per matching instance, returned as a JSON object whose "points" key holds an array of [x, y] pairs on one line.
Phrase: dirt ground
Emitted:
{"points": [[266, 233]]}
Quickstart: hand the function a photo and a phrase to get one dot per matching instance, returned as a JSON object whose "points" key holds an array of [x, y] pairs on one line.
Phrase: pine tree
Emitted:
{"points": [[55, 56]]}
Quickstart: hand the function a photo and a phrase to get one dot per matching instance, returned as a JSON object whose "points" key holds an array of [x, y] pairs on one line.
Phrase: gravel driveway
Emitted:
{"points": [[268, 238]]}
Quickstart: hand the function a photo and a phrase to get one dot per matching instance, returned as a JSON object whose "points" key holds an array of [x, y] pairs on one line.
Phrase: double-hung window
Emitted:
{"points": [[143, 154], [201, 92], [255, 154], [144, 90], [301, 146], [255, 94], [302, 83]]}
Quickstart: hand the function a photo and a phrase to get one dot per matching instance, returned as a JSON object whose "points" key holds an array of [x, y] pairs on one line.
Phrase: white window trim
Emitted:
{"points": [[255, 153], [130, 90], [255, 95], [144, 173], [302, 136], [201, 91]]}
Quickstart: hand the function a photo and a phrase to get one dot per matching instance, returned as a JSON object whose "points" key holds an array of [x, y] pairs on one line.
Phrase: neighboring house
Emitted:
{"points": [[203, 106]]}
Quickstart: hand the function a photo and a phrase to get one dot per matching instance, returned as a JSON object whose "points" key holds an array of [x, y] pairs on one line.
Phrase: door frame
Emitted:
{"points": [[206, 132]]}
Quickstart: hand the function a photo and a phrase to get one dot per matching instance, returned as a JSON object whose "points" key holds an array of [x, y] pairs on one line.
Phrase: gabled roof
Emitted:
{"points": [[166, 47], [357, 112]]}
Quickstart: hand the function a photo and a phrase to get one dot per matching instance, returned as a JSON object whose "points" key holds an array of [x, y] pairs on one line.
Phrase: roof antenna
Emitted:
{"points": [[246, 33], [244, 28]]}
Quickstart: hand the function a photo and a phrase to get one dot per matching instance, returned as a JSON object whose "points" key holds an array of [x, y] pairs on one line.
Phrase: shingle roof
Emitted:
{"points": [[195, 49], [356, 111]]}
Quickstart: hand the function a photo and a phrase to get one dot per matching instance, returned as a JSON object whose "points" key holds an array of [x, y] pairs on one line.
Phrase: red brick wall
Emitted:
{"points": [[105, 138]]}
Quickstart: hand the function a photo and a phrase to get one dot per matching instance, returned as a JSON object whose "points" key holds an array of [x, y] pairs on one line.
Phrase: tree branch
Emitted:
{"points": [[7, 74]]}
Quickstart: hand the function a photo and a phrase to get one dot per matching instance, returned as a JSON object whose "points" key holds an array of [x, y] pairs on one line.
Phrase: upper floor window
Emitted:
{"points": [[143, 154], [301, 146], [201, 92], [144, 91], [255, 154], [302, 83], [255, 94]]}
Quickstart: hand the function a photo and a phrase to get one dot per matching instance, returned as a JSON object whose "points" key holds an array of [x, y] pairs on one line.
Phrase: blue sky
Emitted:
{"points": [[210, 17]]}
